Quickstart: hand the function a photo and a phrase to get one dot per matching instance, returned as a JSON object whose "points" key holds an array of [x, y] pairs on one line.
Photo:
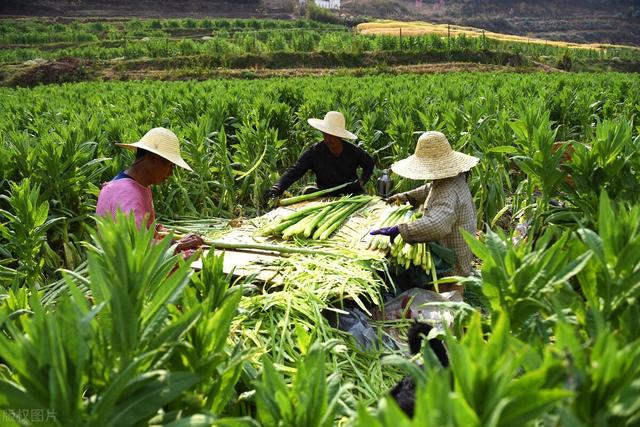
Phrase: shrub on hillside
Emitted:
{"points": [[319, 14]]}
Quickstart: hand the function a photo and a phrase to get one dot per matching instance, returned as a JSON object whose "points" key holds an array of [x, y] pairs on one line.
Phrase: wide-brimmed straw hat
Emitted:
{"points": [[434, 159], [333, 124], [162, 142]]}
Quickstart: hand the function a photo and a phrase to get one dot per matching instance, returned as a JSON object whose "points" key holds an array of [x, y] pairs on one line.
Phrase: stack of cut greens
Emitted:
{"points": [[283, 319], [403, 253], [319, 221]]}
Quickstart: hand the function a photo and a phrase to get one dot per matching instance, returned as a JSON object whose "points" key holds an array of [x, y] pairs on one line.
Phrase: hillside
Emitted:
{"points": [[581, 21]]}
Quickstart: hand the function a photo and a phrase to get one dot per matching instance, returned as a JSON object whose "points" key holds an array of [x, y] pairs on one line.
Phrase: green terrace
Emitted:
{"points": [[238, 44]]}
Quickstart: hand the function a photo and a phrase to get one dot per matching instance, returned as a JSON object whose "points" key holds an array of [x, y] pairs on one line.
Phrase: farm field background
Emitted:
{"points": [[36, 51], [547, 335]]}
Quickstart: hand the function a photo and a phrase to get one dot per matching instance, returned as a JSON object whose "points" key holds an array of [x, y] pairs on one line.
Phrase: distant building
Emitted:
{"points": [[325, 4]]}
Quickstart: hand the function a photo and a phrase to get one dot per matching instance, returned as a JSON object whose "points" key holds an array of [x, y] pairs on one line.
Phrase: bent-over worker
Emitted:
{"points": [[334, 161], [448, 205], [129, 191]]}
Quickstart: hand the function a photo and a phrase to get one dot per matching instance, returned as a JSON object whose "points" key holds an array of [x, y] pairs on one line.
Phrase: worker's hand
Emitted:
{"points": [[396, 199], [162, 231], [190, 241], [392, 232], [187, 253], [270, 194], [354, 187]]}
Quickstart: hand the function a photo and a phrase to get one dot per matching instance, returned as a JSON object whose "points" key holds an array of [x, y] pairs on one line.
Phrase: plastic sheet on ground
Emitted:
{"points": [[414, 304], [356, 323]]}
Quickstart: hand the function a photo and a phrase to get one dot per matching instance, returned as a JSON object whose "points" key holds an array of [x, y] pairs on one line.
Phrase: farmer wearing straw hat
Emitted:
{"points": [[448, 206], [334, 160], [129, 191]]}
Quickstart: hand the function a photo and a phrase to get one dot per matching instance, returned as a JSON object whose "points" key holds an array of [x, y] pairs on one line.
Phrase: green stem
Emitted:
{"points": [[338, 222], [268, 248], [311, 196]]}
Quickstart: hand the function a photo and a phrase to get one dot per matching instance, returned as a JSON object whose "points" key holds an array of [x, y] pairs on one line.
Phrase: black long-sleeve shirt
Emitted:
{"points": [[330, 170]]}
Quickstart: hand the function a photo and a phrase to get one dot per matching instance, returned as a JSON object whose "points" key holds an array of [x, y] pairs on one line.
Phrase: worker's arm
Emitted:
{"points": [[190, 241], [367, 164], [416, 196], [436, 223], [294, 173]]}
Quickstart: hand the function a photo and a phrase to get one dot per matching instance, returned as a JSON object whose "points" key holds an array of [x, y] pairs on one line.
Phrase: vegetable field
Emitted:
{"points": [[117, 49], [96, 329]]}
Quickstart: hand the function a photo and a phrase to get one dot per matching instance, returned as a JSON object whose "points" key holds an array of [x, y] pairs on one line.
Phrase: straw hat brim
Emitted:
{"points": [[175, 159], [429, 169], [323, 126]]}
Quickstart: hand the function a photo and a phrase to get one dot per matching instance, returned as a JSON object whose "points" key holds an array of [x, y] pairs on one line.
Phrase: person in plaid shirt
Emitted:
{"points": [[447, 202]]}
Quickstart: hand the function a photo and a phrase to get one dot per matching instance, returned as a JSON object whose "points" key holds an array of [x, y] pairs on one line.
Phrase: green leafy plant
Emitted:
{"points": [[604, 376], [523, 280], [312, 400], [611, 280], [497, 381], [541, 159], [109, 361], [25, 231]]}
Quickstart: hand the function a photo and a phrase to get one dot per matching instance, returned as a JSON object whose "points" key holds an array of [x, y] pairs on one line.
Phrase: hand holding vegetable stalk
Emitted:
{"points": [[396, 199], [162, 231], [270, 194], [190, 241], [392, 232]]}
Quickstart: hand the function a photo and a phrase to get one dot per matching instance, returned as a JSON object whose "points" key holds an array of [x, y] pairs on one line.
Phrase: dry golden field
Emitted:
{"points": [[424, 28]]}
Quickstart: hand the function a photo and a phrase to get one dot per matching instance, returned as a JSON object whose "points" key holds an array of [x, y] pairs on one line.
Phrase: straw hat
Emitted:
{"points": [[434, 159], [333, 124], [162, 142]]}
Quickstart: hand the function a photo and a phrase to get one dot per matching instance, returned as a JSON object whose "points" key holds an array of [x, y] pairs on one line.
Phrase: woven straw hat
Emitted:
{"points": [[162, 142], [434, 159], [333, 124]]}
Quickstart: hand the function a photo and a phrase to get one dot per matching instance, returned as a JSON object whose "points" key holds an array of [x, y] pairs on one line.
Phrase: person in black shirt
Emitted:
{"points": [[334, 160]]}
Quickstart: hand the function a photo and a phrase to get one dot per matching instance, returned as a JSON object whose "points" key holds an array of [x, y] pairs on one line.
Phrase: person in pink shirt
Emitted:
{"points": [[129, 191]]}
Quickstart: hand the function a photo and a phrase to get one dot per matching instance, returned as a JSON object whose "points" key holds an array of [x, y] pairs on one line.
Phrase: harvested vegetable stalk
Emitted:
{"points": [[267, 248], [311, 196], [317, 222]]}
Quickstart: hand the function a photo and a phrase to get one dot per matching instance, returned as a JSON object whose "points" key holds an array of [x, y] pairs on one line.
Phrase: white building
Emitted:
{"points": [[325, 4]]}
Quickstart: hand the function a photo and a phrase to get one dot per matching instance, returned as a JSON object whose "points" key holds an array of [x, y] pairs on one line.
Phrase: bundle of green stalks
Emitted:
{"points": [[319, 221], [403, 253], [283, 319], [396, 216]]}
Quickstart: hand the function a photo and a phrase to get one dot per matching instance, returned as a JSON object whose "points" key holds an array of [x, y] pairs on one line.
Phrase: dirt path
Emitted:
{"points": [[169, 75]]}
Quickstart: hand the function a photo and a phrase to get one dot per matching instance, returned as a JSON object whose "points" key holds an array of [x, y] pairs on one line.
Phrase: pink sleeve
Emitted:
{"points": [[128, 197], [137, 207]]}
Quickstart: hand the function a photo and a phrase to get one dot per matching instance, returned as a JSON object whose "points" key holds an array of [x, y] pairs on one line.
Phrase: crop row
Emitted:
{"points": [[226, 43], [52, 134], [551, 337], [33, 31]]}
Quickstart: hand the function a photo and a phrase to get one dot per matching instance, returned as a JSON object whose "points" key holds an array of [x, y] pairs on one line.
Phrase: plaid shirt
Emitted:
{"points": [[448, 207]]}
